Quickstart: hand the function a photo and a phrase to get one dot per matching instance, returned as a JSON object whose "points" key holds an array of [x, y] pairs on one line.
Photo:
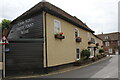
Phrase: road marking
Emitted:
{"points": [[79, 67]]}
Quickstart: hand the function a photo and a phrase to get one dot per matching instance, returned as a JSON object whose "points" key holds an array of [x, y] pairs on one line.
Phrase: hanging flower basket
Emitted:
{"points": [[59, 36], [78, 39], [102, 46], [97, 44]]}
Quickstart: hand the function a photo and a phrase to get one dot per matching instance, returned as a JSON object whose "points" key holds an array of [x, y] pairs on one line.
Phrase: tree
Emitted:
{"points": [[5, 24]]}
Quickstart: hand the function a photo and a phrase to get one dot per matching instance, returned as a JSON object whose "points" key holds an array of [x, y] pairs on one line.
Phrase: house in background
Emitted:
{"points": [[46, 37], [111, 42]]}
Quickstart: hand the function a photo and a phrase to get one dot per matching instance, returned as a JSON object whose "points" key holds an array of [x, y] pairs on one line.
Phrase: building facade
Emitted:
{"points": [[46, 36], [111, 42]]}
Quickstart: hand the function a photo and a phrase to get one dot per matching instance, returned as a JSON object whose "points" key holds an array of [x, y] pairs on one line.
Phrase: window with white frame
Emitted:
{"points": [[106, 43], [91, 52], [78, 53], [76, 33], [57, 26], [118, 43], [106, 37], [110, 50], [95, 40], [89, 37]]}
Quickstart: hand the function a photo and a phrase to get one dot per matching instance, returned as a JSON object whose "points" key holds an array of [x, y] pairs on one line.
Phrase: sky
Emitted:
{"points": [[99, 15]]}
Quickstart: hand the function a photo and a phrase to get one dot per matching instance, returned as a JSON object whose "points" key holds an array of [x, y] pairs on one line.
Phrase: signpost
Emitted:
{"points": [[3, 42]]}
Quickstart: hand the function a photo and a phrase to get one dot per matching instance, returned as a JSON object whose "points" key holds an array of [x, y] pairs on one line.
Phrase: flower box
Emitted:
{"points": [[78, 39], [59, 36]]}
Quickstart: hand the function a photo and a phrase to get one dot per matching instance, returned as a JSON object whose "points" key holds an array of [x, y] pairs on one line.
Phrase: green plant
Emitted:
{"points": [[94, 59], [85, 54], [101, 51], [104, 55], [5, 23], [98, 56], [59, 36]]}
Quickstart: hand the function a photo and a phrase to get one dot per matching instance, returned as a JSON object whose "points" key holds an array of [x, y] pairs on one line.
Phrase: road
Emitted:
{"points": [[107, 68], [104, 69]]}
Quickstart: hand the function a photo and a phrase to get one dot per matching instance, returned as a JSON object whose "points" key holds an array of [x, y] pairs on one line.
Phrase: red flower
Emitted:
{"points": [[61, 33], [79, 37]]}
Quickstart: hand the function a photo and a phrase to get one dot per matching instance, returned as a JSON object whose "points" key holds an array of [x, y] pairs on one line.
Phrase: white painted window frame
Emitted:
{"points": [[78, 53], [106, 37], [118, 43], [91, 52], [107, 44], [78, 34], [57, 26], [89, 37], [110, 50]]}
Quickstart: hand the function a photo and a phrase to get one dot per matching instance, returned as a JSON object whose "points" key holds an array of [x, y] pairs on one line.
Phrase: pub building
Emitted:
{"points": [[46, 38]]}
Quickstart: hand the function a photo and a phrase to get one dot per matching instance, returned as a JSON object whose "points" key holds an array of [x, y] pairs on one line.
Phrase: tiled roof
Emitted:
{"points": [[111, 36], [52, 9]]}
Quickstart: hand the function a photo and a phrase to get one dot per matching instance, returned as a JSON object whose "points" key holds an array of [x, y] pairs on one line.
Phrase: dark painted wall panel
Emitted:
{"points": [[26, 57], [26, 46]]}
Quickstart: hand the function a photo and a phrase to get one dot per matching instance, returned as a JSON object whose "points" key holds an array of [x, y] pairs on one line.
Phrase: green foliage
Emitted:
{"points": [[5, 23], [101, 51], [85, 54]]}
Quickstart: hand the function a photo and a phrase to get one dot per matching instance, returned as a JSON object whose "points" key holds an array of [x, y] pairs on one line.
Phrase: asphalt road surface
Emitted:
{"points": [[104, 69], [107, 68]]}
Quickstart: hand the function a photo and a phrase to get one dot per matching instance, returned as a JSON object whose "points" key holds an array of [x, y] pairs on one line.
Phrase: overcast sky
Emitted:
{"points": [[99, 15]]}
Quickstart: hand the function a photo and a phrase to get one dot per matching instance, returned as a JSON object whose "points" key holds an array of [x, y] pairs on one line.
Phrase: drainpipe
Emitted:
{"points": [[46, 70]]}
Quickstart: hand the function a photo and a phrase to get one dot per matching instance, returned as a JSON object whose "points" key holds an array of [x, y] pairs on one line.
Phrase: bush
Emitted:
{"points": [[98, 56], [104, 55], [85, 54], [94, 59], [101, 51]]}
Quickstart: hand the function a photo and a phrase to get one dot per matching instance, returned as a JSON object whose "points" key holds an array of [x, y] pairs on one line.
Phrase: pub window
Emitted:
{"points": [[76, 33], [118, 43], [96, 41], [57, 26], [106, 37], [110, 50], [89, 37], [107, 43]]}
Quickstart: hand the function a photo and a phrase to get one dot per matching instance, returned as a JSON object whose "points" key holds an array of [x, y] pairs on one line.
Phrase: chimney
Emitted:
{"points": [[43, 1], [102, 32]]}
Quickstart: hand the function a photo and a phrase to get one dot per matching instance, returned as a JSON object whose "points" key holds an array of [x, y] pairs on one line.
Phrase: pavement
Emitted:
{"points": [[104, 69]]}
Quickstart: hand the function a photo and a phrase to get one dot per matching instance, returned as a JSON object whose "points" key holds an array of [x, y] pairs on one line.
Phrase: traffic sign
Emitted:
{"points": [[4, 40]]}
